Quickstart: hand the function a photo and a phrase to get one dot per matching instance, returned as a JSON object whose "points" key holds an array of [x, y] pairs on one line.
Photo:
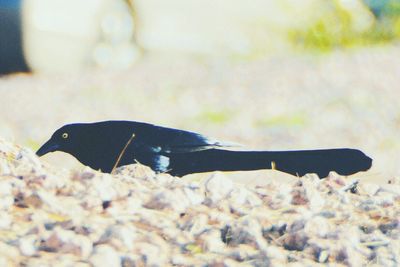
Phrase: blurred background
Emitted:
{"points": [[273, 75]]}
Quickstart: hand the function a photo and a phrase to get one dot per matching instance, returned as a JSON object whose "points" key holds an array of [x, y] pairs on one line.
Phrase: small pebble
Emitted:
{"points": [[105, 256]]}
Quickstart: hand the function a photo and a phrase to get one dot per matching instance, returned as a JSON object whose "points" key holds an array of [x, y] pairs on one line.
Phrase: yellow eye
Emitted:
{"points": [[64, 135]]}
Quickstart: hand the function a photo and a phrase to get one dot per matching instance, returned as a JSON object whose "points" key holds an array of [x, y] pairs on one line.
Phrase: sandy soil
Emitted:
{"points": [[345, 99]]}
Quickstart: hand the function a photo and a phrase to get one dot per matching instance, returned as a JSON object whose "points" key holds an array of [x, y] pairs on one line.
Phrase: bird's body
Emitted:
{"points": [[101, 145]]}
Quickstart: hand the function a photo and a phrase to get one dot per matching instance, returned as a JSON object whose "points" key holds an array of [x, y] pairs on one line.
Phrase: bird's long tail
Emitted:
{"points": [[343, 161]]}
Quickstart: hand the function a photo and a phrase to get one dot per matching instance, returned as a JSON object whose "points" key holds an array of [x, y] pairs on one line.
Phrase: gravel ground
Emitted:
{"points": [[50, 217], [56, 212]]}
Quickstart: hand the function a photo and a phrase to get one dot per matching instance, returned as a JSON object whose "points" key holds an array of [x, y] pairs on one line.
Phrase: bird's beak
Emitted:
{"points": [[49, 146]]}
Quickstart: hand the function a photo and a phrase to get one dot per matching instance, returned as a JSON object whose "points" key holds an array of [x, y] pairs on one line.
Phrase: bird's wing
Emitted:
{"points": [[169, 140], [192, 142]]}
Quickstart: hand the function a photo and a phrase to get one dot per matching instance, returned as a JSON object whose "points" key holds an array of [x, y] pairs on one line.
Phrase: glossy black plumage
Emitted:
{"points": [[178, 152]]}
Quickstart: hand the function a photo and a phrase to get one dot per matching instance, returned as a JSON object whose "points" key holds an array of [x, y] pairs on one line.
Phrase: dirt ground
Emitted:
{"points": [[344, 99]]}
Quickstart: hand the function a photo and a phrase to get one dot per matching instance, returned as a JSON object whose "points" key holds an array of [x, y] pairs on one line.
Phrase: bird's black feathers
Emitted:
{"points": [[179, 152]]}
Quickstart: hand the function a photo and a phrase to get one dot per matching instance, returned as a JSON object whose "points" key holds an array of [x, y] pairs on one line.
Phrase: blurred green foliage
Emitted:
{"points": [[335, 29], [382, 8], [215, 116]]}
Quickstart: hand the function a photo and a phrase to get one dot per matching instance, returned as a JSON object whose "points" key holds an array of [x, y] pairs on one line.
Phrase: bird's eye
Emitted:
{"points": [[64, 135]]}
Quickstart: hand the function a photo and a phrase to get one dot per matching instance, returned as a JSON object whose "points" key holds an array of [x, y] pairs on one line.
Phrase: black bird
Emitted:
{"points": [[109, 144]]}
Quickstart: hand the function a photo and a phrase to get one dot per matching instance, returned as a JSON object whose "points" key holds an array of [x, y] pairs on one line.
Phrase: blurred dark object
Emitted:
{"points": [[11, 50], [382, 8], [64, 36]]}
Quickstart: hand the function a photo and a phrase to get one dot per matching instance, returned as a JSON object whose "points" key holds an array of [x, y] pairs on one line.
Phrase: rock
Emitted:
{"points": [[5, 221], [278, 254], [120, 236], [9, 255], [65, 241], [318, 226], [169, 199], [242, 196], [127, 261], [194, 194], [198, 224], [5, 167], [105, 256], [248, 231], [295, 241], [27, 245], [103, 185], [26, 162], [152, 254], [212, 241], [244, 252], [6, 195], [369, 189], [217, 187]]}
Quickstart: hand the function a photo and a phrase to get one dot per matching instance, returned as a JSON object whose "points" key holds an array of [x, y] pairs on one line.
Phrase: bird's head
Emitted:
{"points": [[81, 140], [65, 139], [94, 144]]}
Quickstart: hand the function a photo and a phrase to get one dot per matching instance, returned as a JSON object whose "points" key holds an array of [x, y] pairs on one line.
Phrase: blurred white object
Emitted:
{"points": [[61, 35], [71, 35]]}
